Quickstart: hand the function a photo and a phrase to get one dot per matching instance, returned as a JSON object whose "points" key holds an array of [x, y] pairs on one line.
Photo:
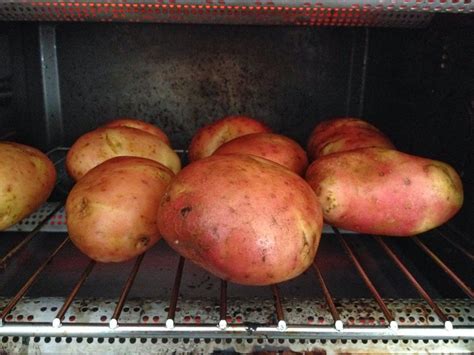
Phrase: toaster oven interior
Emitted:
{"points": [[59, 80]]}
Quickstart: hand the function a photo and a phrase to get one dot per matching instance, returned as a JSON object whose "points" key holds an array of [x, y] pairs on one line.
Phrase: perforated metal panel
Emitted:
{"points": [[398, 13]]}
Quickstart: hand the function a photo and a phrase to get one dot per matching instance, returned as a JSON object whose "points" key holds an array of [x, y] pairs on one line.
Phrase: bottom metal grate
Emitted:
{"points": [[248, 313]]}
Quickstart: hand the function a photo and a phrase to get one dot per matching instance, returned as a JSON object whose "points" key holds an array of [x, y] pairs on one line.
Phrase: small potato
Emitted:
{"points": [[386, 192], [274, 147], [111, 212], [141, 125], [27, 178], [105, 143], [212, 136], [343, 134], [242, 218]]}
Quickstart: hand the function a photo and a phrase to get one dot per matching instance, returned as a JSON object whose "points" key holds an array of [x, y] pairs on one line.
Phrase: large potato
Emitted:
{"points": [[111, 212], [386, 192], [212, 136], [141, 125], [27, 178], [274, 147], [105, 143], [242, 218], [343, 134]]}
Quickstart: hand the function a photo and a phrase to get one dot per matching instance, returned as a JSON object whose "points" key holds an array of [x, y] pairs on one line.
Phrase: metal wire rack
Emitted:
{"points": [[289, 315]]}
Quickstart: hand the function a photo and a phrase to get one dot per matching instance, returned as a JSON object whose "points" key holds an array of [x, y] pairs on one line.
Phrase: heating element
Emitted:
{"points": [[53, 296], [399, 13]]}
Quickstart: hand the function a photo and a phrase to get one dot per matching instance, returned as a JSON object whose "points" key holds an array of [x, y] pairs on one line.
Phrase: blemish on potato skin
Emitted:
{"points": [[407, 181], [142, 242], [185, 211]]}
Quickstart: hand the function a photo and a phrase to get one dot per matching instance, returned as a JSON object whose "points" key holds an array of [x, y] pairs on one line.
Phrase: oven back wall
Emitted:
{"points": [[181, 77]]}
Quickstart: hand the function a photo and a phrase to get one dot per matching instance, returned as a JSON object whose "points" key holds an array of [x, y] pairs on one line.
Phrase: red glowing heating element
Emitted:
{"points": [[209, 11]]}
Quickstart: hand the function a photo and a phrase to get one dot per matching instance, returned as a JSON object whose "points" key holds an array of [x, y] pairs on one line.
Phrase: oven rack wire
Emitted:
{"points": [[333, 322]]}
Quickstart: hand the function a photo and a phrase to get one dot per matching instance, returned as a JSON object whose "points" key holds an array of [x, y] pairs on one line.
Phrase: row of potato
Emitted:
{"points": [[241, 209]]}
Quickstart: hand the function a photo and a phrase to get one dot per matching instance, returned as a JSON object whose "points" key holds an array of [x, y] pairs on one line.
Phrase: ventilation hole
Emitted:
{"points": [[30, 318], [228, 340], [132, 340], [42, 309], [143, 340], [15, 339], [68, 340], [136, 309], [35, 339], [100, 340], [54, 309], [57, 339], [154, 340], [112, 340], [126, 309], [240, 341], [47, 339], [90, 340]]}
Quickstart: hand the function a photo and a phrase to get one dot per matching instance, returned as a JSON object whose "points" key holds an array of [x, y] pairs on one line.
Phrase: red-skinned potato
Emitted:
{"points": [[385, 192], [212, 136], [27, 178], [271, 146], [343, 134], [97, 146], [141, 125], [111, 212], [242, 218]]}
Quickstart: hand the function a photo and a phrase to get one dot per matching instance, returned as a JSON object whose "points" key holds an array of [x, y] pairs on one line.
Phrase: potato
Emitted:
{"points": [[242, 218], [274, 147], [27, 178], [386, 192], [141, 125], [343, 134], [105, 143], [212, 136], [111, 212]]}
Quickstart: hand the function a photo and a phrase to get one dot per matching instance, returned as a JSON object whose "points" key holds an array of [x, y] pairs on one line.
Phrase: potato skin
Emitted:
{"points": [[141, 125], [386, 192], [212, 136], [102, 144], [275, 147], [27, 178], [111, 211], [343, 134], [242, 218]]}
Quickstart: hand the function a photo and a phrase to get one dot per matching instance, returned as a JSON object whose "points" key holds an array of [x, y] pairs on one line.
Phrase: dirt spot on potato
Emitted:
{"points": [[407, 181], [142, 242], [232, 210], [84, 207], [185, 211]]}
